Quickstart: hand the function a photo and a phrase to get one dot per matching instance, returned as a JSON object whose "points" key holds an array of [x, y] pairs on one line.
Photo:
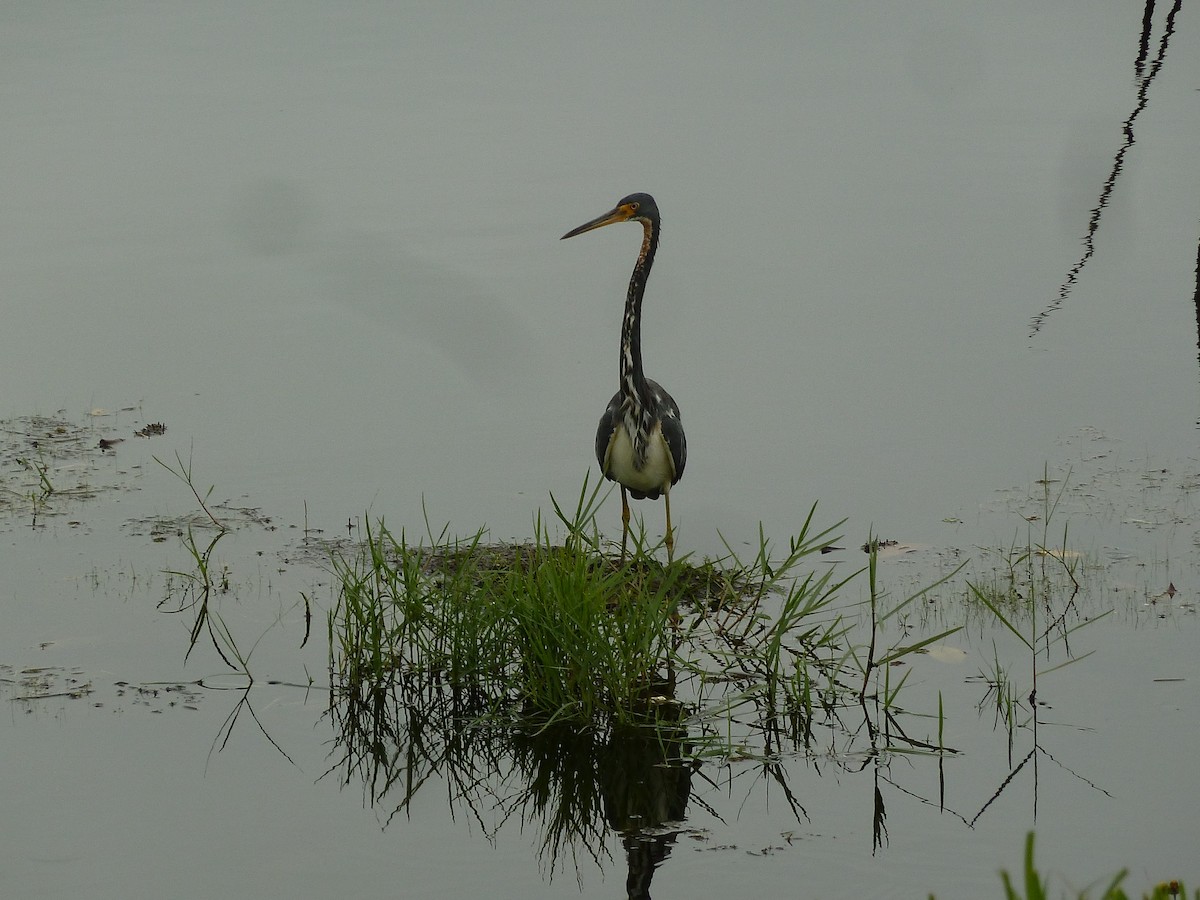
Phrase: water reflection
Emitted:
{"points": [[1030, 760], [1143, 77], [572, 785], [1197, 302], [759, 686], [575, 788], [1014, 717], [756, 690]]}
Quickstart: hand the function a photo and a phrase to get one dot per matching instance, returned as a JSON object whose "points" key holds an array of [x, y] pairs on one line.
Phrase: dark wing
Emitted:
{"points": [[672, 427], [604, 432]]}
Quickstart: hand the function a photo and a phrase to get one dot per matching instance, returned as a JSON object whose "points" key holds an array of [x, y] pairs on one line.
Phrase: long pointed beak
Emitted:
{"points": [[619, 214]]}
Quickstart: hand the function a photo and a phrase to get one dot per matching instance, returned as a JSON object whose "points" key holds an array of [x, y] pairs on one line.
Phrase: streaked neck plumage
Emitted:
{"points": [[638, 409]]}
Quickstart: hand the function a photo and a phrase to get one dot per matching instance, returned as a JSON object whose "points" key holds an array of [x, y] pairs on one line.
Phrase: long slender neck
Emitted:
{"points": [[633, 380]]}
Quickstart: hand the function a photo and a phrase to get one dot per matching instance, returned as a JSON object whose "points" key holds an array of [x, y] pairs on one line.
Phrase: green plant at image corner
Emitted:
{"points": [[1037, 888]]}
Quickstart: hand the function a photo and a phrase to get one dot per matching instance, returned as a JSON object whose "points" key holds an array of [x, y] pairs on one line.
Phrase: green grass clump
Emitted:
{"points": [[548, 631], [589, 636], [536, 630], [750, 654]]}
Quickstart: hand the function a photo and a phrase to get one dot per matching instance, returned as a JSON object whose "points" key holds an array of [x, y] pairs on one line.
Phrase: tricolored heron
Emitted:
{"points": [[640, 442]]}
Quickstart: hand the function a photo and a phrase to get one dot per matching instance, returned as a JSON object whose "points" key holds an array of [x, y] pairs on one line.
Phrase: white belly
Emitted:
{"points": [[655, 475]]}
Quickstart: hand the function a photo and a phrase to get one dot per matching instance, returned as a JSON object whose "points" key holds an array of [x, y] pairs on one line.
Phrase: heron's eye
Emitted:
{"points": [[633, 207]]}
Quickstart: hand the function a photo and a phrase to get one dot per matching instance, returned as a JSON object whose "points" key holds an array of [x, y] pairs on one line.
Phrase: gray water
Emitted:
{"points": [[912, 258]]}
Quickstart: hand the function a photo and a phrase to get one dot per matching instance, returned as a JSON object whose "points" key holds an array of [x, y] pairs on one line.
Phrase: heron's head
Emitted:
{"points": [[635, 207]]}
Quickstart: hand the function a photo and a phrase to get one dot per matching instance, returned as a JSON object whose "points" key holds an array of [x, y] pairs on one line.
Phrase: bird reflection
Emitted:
{"points": [[575, 788], [646, 785]]}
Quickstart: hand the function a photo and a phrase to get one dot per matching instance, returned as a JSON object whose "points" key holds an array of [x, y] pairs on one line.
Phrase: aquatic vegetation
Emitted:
{"points": [[589, 695], [46, 463], [610, 706], [751, 649], [513, 672], [1034, 600], [556, 632], [1037, 888], [198, 587]]}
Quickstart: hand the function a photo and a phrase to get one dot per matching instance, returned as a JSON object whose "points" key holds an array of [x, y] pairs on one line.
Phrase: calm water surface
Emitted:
{"points": [[912, 259]]}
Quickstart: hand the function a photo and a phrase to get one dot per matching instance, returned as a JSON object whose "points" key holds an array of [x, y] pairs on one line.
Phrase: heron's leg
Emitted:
{"points": [[670, 539], [624, 520]]}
